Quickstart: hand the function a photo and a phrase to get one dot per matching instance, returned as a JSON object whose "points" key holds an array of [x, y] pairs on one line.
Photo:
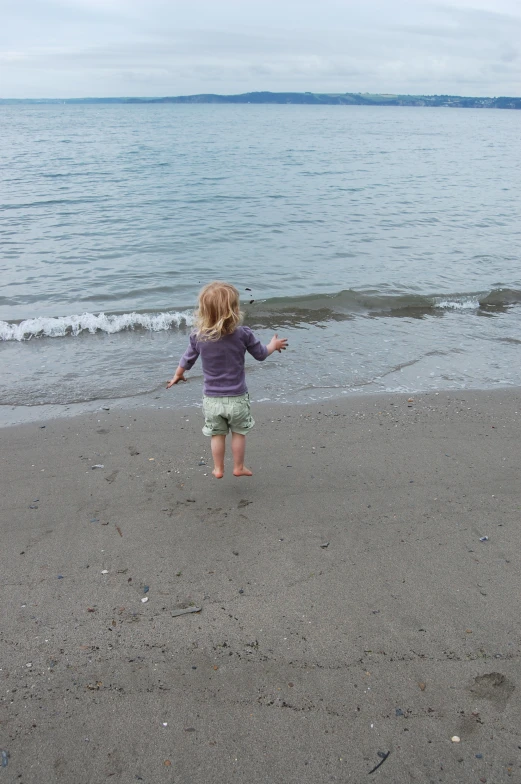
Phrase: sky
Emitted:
{"points": [[86, 48]]}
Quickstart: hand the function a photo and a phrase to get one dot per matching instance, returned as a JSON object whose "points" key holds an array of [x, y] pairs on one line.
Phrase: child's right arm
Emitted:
{"points": [[185, 363], [179, 375]]}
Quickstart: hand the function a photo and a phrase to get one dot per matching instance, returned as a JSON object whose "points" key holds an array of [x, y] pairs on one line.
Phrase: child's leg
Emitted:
{"points": [[238, 451], [218, 447]]}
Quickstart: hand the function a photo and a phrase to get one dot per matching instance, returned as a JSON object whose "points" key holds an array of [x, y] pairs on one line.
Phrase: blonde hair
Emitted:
{"points": [[218, 313]]}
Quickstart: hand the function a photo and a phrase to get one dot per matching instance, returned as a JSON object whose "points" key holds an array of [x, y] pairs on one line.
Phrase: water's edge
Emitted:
{"points": [[12, 416]]}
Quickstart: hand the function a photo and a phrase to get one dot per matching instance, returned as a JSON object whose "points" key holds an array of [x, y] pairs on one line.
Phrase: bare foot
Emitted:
{"points": [[218, 473], [242, 472]]}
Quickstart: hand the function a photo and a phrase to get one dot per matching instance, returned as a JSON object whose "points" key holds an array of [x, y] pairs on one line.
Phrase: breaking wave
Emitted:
{"points": [[281, 311], [89, 322]]}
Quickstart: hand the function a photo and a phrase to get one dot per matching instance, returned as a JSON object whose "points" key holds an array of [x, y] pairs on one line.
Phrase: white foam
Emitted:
{"points": [[470, 302], [90, 322]]}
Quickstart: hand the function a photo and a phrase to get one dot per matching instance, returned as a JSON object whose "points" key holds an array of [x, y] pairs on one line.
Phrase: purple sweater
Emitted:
{"points": [[223, 361]]}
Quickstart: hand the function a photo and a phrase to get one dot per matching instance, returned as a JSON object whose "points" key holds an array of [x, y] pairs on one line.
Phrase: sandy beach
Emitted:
{"points": [[349, 608]]}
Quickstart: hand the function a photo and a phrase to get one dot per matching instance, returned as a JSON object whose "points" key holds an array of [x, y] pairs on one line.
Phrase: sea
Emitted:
{"points": [[383, 242]]}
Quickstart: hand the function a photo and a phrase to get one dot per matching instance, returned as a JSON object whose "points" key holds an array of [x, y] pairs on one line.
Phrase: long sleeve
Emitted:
{"points": [[191, 354], [253, 345]]}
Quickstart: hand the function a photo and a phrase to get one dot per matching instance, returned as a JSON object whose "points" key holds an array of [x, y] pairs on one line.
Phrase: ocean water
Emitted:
{"points": [[384, 243]]}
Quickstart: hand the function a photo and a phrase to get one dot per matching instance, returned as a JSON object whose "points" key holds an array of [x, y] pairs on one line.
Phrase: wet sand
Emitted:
{"points": [[348, 606]]}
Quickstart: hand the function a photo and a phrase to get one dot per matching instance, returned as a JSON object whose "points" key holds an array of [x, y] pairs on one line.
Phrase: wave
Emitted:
{"points": [[277, 311], [89, 322], [348, 304]]}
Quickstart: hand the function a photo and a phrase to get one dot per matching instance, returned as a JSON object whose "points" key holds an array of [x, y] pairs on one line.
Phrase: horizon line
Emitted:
{"points": [[258, 92]]}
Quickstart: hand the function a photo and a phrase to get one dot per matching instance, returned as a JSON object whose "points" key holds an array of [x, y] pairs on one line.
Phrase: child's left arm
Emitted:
{"points": [[258, 350], [277, 344]]}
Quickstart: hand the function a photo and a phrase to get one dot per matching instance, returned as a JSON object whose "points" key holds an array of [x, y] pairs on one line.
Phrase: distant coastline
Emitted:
{"points": [[308, 98]]}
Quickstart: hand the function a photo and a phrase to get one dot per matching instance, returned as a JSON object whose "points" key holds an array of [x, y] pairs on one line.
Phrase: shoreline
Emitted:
{"points": [[17, 415], [348, 604]]}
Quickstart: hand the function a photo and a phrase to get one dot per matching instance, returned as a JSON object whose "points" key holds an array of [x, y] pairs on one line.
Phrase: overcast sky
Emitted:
{"points": [[78, 48]]}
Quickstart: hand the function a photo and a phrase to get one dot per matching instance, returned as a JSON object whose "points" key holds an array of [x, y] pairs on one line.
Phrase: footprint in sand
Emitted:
{"points": [[493, 686]]}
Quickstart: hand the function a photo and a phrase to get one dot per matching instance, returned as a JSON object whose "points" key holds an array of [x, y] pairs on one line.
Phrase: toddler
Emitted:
{"points": [[222, 342]]}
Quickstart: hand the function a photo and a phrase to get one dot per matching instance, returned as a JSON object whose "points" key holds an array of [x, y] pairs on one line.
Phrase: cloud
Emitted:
{"points": [[62, 48]]}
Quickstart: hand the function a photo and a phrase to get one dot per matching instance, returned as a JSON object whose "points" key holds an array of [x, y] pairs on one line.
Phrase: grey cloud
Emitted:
{"points": [[435, 31], [510, 56], [123, 47], [481, 16]]}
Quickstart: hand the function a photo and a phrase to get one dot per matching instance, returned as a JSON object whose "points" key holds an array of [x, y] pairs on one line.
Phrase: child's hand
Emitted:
{"points": [[179, 376], [277, 344]]}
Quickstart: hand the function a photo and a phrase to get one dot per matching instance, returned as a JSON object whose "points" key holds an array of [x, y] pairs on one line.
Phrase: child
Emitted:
{"points": [[222, 342]]}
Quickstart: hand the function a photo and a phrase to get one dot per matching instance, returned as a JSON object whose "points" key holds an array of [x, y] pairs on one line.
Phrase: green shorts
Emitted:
{"points": [[222, 414]]}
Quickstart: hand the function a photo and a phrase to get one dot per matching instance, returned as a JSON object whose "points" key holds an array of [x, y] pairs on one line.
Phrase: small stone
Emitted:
{"points": [[455, 739], [144, 599], [422, 686], [105, 571]]}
